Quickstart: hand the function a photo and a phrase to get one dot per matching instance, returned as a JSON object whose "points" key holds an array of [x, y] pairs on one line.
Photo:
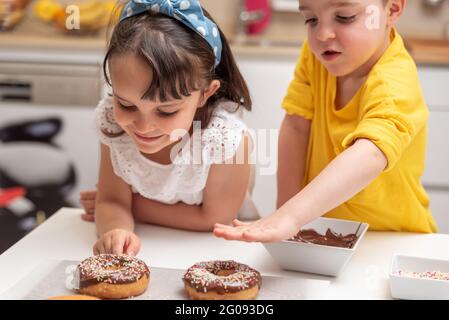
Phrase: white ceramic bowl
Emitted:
{"points": [[406, 287], [314, 258]]}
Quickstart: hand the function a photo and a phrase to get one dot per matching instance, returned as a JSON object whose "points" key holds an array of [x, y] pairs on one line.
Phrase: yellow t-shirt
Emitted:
{"points": [[389, 109]]}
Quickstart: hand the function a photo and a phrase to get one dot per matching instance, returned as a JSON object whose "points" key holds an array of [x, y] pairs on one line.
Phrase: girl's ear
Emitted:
{"points": [[395, 9], [210, 91]]}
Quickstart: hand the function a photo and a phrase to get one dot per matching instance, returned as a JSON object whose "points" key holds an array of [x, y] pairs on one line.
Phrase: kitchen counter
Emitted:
{"points": [[66, 237], [34, 35], [428, 51], [96, 45]]}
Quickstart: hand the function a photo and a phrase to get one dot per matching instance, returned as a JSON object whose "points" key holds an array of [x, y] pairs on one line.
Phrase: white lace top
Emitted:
{"points": [[185, 179]]}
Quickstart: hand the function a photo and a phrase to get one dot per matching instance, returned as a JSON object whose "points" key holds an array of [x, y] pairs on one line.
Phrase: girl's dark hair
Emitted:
{"points": [[181, 61]]}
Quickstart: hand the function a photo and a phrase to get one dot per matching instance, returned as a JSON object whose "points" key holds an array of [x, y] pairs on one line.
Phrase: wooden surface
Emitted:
{"points": [[432, 52], [282, 38]]}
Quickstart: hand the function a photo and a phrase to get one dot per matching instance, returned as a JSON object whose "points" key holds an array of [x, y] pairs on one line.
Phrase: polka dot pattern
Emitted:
{"points": [[189, 12]]}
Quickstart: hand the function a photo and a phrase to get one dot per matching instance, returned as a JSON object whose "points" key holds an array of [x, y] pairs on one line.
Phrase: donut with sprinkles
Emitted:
{"points": [[110, 276], [222, 280]]}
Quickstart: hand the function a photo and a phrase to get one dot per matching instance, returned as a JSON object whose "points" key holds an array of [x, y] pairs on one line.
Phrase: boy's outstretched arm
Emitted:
{"points": [[349, 173]]}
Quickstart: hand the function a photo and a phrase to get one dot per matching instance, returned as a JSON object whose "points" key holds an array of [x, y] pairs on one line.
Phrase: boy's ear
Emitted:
{"points": [[395, 9], [213, 87]]}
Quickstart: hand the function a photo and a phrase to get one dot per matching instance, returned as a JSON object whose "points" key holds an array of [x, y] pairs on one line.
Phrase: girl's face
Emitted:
{"points": [[149, 123], [345, 35]]}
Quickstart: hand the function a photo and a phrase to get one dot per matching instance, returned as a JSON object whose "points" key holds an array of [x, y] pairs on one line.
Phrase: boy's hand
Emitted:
{"points": [[276, 227], [118, 241], [87, 200]]}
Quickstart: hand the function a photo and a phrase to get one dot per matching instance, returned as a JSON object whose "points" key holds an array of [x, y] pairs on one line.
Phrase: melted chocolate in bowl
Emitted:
{"points": [[331, 238]]}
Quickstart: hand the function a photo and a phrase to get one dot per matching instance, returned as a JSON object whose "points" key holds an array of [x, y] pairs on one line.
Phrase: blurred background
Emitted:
{"points": [[50, 83]]}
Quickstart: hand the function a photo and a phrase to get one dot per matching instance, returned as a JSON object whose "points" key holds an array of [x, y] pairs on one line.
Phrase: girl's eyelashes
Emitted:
{"points": [[127, 108], [166, 114], [134, 108], [311, 21], [339, 18], [345, 19]]}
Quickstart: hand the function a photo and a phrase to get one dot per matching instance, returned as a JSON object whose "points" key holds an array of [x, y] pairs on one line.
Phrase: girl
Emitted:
{"points": [[352, 144], [173, 149]]}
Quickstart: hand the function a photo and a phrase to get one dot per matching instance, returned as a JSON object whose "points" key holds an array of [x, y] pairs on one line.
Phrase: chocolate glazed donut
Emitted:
{"points": [[222, 280], [110, 276]]}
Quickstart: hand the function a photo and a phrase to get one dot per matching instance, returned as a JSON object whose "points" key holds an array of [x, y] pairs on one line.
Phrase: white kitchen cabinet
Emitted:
{"points": [[268, 79], [434, 82], [436, 177], [437, 171], [439, 205]]}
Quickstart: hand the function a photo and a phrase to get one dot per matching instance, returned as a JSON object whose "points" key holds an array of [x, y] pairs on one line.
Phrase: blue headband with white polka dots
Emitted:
{"points": [[188, 12]]}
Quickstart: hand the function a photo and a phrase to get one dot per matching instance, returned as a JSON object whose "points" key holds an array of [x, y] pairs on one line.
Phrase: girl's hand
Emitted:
{"points": [[118, 241], [276, 227], [87, 200]]}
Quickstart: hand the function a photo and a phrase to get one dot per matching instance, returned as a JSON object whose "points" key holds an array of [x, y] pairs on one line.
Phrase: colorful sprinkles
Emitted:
{"points": [[206, 276], [112, 269], [435, 275]]}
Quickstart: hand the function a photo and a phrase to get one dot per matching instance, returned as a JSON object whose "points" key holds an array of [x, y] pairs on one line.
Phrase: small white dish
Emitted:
{"points": [[413, 288], [315, 258]]}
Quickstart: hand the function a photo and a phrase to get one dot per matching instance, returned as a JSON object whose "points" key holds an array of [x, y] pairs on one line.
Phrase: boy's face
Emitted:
{"points": [[345, 34]]}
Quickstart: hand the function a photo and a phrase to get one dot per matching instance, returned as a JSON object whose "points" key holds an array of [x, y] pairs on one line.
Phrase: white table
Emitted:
{"points": [[66, 237]]}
